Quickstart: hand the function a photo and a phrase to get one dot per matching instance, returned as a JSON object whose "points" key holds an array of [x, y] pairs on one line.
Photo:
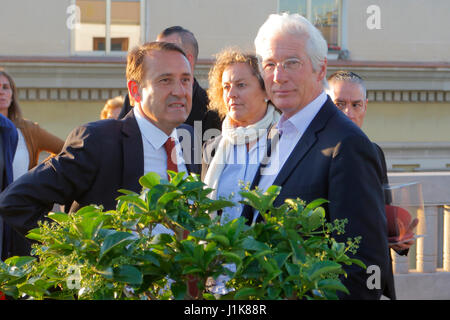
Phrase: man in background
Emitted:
{"points": [[349, 94]]}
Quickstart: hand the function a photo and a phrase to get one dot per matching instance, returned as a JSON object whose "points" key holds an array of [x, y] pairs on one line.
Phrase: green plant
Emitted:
{"points": [[97, 254]]}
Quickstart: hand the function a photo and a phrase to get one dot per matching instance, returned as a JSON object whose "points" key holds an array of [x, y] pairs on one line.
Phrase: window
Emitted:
{"points": [[108, 26], [324, 14]]}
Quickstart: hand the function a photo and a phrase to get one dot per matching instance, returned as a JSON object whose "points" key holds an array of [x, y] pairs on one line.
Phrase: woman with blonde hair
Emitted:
{"points": [[112, 108], [237, 92], [32, 138]]}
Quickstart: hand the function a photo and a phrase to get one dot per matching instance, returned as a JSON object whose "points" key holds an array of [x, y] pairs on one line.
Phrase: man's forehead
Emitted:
{"points": [[159, 60], [347, 90], [283, 44]]}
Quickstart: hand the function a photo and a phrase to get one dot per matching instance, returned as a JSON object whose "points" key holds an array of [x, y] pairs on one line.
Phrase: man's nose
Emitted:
{"points": [[279, 74], [179, 89]]}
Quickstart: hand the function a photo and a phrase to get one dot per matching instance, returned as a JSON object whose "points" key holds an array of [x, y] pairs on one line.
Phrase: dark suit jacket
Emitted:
{"points": [[97, 159], [335, 160]]}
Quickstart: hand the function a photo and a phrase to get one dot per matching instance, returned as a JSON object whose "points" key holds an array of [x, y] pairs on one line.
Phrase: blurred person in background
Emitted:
{"points": [[32, 138], [24, 155], [112, 108]]}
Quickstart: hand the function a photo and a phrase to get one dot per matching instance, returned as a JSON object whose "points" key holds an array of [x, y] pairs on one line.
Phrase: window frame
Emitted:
{"points": [[333, 52], [107, 51]]}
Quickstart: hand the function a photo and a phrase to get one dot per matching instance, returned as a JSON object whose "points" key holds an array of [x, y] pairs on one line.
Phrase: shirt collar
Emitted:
{"points": [[301, 120], [155, 136]]}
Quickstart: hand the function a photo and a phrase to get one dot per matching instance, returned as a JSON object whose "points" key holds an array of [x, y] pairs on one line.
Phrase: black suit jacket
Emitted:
{"points": [[335, 160], [97, 160]]}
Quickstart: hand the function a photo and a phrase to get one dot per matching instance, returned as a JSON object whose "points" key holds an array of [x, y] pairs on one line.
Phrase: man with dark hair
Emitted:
{"points": [[185, 39], [349, 94], [101, 157]]}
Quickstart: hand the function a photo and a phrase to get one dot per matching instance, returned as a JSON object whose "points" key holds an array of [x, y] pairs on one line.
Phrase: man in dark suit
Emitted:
{"points": [[102, 157], [200, 116], [321, 153], [348, 92]]}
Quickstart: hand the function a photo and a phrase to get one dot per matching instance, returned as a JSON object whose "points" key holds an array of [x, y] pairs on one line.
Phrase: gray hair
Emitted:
{"points": [[348, 76], [295, 24]]}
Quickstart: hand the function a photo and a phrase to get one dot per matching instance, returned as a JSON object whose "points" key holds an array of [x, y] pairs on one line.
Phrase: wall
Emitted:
{"points": [[60, 118], [216, 24], [410, 31], [30, 27]]}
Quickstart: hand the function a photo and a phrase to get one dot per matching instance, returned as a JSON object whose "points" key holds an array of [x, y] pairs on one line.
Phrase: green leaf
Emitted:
{"points": [[251, 244], [128, 274], [332, 284], [19, 262], [245, 293], [179, 289], [322, 267], [35, 234], [233, 257], [168, 197], [150, 180], [115, 239], [316, 203], [218, 238], [192, 269], [59, 217], [358, 263]]}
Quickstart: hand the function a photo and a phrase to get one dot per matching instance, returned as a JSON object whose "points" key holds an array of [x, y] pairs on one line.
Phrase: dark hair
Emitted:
{"points": [[14, 112], [344, 75], [135, 58], [186, 36]]}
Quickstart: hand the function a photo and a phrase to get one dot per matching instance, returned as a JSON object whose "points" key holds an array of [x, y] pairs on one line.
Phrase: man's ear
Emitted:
{"points": [[191, 59], [133, 91], [323, 70]]}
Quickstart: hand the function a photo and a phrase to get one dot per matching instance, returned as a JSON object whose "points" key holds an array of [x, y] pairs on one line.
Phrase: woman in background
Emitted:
{"points": [[112, 108], [32, 138], [237, 92]]}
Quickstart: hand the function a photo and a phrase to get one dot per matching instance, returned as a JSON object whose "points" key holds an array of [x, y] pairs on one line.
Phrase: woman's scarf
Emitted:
{"points": [[236, 136]]}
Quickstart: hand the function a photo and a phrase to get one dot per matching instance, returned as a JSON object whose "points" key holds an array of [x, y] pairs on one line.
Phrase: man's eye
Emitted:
{"points": [[269, 66], [291, 64]]}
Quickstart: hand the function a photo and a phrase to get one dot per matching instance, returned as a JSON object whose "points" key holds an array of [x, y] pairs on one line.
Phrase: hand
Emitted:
{"points": [[402, 246]]}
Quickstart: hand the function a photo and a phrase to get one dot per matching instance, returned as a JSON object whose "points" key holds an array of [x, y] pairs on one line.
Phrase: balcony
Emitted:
{"points": [[425, 273]]}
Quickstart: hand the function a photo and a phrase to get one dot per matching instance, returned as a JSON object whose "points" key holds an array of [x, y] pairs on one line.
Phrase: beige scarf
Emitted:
{"points": [[236, 136]]}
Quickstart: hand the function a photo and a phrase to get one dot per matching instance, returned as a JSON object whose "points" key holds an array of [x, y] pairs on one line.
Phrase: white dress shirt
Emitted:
{"points": [[155, 156], [21, 160], [153, 139], [241, 165], [291, 130]]}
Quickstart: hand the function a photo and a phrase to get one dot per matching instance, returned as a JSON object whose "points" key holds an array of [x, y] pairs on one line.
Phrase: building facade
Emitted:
{"points": [[68, 57]]}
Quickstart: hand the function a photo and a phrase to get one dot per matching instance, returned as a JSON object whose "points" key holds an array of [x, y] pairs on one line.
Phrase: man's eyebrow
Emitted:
{"points": [[168, 74]]}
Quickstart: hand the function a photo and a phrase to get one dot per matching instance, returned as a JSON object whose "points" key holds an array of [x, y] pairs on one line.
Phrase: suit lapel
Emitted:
{"points": [[308, 139], [133, 154]]}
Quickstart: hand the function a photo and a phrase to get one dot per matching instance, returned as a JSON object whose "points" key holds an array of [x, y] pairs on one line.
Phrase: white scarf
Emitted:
{"points": [[236, 136]]}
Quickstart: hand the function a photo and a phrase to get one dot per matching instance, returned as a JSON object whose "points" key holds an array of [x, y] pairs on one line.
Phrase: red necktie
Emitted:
{"points": [[169, 146]]}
